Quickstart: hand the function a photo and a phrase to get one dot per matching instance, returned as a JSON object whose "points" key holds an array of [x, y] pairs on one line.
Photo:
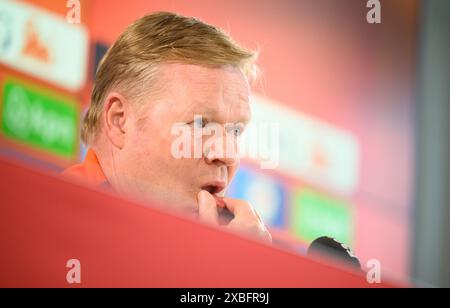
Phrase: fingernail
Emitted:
{"points": [[219, 201]]}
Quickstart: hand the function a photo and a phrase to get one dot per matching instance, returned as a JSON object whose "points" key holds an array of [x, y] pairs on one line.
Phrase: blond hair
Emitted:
{"points": [[155, 39]]}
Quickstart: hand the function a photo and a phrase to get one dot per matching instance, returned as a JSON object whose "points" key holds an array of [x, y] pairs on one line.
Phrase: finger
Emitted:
{"points": [[239, 207], [252, 228], [207, 208], [219, 201]]}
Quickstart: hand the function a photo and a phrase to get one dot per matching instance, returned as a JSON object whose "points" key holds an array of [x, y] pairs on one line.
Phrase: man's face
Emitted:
{"points": [[148, 168]]}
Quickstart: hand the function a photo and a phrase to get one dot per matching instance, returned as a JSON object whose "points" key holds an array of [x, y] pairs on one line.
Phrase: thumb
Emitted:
{"points": [[207, 208]]}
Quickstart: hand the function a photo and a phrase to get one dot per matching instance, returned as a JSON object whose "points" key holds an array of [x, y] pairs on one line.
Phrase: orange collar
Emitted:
{"points": [[89, 171]]}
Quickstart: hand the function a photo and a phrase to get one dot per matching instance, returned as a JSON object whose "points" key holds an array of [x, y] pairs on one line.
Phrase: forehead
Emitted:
{"points": [[191, 89]]}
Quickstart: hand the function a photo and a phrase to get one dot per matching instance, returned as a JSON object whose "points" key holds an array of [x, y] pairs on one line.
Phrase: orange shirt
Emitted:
{"points": [[89, 171]]}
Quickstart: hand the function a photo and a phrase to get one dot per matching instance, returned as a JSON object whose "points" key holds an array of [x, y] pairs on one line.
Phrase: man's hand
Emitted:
{"points": [[246, 220]]}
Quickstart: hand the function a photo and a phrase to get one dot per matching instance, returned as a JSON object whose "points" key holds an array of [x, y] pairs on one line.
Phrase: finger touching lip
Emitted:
{"points": [[220, 202], [214, 187]]}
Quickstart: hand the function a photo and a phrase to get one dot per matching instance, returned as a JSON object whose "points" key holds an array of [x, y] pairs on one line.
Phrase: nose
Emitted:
{"points": [[221, 150]]}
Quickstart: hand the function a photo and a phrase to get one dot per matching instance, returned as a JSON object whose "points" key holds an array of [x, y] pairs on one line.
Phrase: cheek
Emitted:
{"points": [[152, 151], [157, 148], [142, 152]]}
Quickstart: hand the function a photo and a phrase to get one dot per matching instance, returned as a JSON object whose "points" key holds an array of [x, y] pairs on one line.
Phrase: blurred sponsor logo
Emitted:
{"points": [[265, 194], [43, 45], [34, 47], [315, 215], [311, 149], [39, 119], [5, 32]]}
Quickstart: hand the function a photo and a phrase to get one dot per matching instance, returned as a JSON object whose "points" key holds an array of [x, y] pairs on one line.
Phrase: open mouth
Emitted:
{"points": [[213, 189]]}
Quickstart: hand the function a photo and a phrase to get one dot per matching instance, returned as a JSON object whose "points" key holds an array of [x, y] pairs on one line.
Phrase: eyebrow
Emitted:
{"points": [[211, 113]]}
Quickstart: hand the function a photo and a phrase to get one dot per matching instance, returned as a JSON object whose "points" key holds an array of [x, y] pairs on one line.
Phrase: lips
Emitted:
{"points": [[214, 187]]}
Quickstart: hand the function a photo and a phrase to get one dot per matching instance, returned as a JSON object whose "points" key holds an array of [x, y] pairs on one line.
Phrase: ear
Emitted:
{"points": [[115, 113]]}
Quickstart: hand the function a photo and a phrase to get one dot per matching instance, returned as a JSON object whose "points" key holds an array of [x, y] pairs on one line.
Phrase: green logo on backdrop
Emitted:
{"points": [[39, 119], [315, 215]]}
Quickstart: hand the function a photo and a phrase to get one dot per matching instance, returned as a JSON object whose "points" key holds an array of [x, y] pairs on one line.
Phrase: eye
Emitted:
{"points": [[199, 122], [235, 129]]}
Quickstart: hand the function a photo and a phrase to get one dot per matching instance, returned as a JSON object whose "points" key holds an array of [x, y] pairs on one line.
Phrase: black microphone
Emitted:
{"points": [[327, 246]]}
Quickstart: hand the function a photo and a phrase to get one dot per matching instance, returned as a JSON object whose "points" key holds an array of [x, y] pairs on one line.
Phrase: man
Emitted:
{"points": [[169, 73]]}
